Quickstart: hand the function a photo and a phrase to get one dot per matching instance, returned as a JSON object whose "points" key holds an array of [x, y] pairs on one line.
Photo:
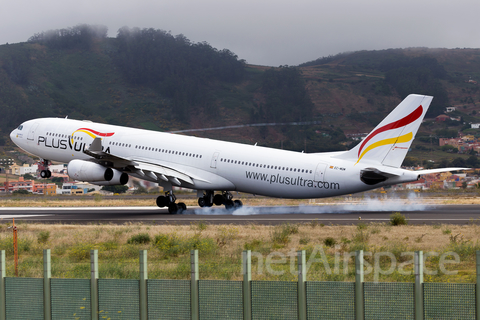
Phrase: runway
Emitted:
{"points": [[331, 214]]}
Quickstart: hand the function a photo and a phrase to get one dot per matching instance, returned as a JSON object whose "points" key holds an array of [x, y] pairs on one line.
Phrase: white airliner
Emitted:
{"points": [[106, 155]]}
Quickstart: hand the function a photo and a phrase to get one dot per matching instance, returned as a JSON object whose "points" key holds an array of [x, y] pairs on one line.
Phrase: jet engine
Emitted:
{"points": [[119, 178], [89, 171]]}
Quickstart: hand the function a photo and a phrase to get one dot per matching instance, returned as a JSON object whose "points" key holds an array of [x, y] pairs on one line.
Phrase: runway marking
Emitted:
{"points": [[73, 208], [23, 216]]}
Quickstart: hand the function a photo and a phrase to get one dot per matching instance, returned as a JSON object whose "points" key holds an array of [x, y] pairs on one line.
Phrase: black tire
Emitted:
{"points": [[43, 174], [173, 208], [229, 204], [238, 204], [162, 201], [182, 207], [49, 174], [201, 202], [218, 200]]}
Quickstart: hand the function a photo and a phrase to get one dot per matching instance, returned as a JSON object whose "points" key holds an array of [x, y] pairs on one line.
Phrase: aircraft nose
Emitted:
{"points": [[13, 134]]}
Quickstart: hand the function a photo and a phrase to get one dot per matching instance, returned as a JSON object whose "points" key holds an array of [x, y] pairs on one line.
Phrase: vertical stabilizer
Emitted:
{"points": [[389, 142]]}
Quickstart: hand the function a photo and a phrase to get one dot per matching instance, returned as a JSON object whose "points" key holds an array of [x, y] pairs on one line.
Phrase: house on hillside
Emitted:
{"points": [[442, 118], [450, 109]]}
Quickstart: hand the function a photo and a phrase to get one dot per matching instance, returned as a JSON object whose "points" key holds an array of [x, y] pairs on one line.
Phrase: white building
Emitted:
{"points": [[21, 170], [450, 109]]}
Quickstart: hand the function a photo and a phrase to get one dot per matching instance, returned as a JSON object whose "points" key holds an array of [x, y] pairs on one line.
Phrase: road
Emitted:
{"points": [[328, 214]]}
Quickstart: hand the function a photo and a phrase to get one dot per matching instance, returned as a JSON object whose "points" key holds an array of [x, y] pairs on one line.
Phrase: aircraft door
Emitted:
{"points": [[213, 164], [320, 172], [31, 131]]}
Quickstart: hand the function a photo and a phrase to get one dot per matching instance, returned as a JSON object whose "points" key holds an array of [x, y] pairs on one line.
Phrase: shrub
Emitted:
{"points": [[280, 236], [398, 219], [252, 245], [290, 228], [199, 226], [226, 234], [23, 245], [80, 252], [43, 237], [329, 242], [141, 238], [172, 245]]}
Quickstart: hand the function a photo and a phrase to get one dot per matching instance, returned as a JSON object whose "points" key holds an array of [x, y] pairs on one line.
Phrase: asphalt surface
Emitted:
{"points": [[326, 214]]}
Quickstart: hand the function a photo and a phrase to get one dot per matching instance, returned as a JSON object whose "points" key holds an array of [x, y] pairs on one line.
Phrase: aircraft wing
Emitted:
{"points": [[141, 169]]}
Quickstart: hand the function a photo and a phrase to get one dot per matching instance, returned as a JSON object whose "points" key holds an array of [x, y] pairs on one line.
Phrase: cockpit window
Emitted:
{"points": [[20, 127]]}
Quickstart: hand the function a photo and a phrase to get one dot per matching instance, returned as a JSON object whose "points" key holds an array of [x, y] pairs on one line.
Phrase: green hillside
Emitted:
{"points": [[151, 79]]}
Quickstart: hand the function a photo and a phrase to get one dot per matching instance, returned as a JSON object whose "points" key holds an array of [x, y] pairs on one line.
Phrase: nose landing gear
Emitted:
{"points": [[45, 173]]}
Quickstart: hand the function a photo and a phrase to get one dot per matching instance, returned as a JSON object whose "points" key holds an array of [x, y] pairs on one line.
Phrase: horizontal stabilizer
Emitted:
{"points": [[429, 171]]}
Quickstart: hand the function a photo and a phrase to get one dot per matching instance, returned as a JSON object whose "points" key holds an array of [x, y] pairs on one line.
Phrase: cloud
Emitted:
{"points": [[264, 32]]}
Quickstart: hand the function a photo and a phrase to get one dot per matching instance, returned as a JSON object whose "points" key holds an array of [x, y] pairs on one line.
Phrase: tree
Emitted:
{"points": [[458, 162], [28, 176], [116, 188], [472, 161], [20, 192], [286, 96]]}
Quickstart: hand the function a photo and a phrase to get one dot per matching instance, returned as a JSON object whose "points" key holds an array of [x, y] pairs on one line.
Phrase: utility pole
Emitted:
{"points": [[15, 246]]}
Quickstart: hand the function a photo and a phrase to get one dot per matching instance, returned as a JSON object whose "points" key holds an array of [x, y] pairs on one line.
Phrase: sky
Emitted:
{"points": [[264, 32]]}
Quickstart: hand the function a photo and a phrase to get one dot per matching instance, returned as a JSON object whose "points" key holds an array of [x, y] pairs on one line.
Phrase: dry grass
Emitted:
{"points": [[220, 249]]}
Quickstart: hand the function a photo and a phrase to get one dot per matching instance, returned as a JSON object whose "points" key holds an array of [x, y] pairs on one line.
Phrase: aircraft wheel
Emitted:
{"points": [[201, 202], [173, 208], [182, 206], [238, 204], [218, 199], [229, 204], [162, 201], [45, 174]]}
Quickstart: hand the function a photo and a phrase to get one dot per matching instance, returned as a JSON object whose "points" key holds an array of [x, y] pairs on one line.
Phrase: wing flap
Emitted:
{"points": [[158, 171], [144, 170]]}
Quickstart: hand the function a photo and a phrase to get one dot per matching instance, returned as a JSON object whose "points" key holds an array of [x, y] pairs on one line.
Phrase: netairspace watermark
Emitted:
{"points": [[266, 264]]}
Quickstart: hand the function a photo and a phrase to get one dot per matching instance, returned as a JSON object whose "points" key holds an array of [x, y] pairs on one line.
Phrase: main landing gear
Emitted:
{"points": [[45, 174], [208, 200], [168, 200], [225, 198]]}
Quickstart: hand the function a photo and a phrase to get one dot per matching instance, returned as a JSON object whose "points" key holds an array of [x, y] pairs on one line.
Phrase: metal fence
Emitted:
{"points": [[50, 298]]}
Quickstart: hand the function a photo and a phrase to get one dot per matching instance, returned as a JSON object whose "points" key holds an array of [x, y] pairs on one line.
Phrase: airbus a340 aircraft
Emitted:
{"points": [[107, 155]]}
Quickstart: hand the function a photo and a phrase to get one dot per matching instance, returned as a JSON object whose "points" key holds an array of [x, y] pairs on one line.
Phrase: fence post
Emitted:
{"points": [[194, 285], [302, 278], [143, 285], [94, 283], [477, 287], [418, 261], [359, 278], [2, 285], [247, 278], [47, 274]]}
